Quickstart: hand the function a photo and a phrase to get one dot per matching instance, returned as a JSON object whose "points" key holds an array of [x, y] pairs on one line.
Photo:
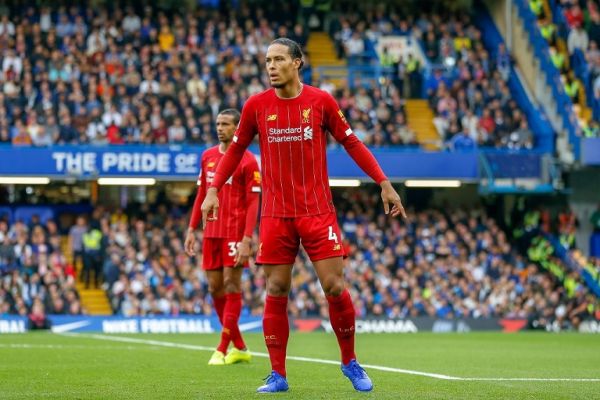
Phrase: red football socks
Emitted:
{"points": [[231, 308], [219, 304], [231, 317], [343, 317], [276, 330]]}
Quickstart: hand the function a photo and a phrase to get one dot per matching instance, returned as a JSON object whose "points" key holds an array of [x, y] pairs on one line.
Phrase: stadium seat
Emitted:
{"points": [[6, 212], [26, 213]]}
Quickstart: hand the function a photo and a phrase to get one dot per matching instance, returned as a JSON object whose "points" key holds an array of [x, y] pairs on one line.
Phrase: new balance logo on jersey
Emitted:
{"points": [[308, 132], [272, 117]]}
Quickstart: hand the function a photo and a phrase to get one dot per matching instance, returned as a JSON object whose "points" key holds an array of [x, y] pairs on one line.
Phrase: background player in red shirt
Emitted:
{"points": [[226, 244], [292, 121]]}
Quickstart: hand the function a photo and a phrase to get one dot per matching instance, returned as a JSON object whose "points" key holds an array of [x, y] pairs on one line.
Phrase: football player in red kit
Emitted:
{"points": [[292, 120], [226, 244]]}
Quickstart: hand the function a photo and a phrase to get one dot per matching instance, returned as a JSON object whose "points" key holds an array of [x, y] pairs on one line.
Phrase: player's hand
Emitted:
{"points": [[210, 206], [190, 242], [390, 196], [242, 253]]}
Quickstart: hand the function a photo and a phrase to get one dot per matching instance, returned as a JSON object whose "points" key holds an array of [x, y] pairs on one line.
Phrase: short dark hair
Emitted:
{"points": [[235, 114], [294, 48]]}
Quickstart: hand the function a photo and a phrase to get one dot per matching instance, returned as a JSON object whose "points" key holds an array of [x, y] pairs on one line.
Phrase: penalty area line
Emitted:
{"points": [[331, 362]]}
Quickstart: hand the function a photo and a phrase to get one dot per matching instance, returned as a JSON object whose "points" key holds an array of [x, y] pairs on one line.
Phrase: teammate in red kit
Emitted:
{"points": [[226, 244], [292, 120]]}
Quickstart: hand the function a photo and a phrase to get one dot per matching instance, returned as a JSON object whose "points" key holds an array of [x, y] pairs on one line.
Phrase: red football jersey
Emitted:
{"points": [[292, 136], [233, 197]]}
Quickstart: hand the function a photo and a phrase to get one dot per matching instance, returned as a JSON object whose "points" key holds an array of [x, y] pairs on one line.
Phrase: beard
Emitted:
{"points": [[277, 85]]}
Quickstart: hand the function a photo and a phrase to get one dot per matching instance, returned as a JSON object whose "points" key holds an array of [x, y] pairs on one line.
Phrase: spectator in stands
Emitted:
{"points": [[7, 252], [503, 61], [413, 70], [37, 317], [20, 136], [76, 233], [593, 28], [572, 87], [574, 16], [592, 57], [521, 138], [548, 30], [176, 132], [577, 39], [354, 48], [537, 7], [461, 141], [96, 130], [92, 254]]}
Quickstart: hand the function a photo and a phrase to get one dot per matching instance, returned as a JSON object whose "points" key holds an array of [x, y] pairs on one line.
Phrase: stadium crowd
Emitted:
{"points": [[476, 108], [127, 75], [467, 89], [34, 273], [572, 30], [437, 264], [76, 75]]}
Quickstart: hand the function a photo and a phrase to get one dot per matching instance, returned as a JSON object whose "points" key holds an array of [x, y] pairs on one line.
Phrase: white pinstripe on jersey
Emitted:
{"points": [[322, 145], [292, 165], [302, 160]]}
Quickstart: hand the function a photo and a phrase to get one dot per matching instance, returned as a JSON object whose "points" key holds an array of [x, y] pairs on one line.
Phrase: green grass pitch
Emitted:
{"points": [[145, 366]]}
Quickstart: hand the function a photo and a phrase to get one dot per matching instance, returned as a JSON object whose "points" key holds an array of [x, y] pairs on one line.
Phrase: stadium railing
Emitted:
{"points": [[523, 171], [369, 75], [26, 213], [14, 213]]}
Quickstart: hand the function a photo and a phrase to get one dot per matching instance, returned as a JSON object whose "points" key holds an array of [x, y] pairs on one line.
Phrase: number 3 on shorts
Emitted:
{"points": [[332, 235], [232, 248]]}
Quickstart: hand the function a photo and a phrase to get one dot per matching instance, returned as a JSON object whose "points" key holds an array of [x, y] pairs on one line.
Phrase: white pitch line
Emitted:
{"points": [[255, 354], [533, 379], [332, 362], [64, 346]]}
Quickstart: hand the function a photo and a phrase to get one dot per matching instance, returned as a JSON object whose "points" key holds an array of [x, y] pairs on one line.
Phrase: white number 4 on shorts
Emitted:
{"points": [[332, 235]]}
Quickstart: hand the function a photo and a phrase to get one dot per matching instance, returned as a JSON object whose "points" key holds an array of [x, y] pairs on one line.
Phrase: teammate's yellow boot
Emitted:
{"points": [[217, 358], [236, 356]]}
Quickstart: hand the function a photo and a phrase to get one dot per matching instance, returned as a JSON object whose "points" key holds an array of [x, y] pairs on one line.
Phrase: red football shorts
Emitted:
{"points": [[280, 238], [218, 253]]}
